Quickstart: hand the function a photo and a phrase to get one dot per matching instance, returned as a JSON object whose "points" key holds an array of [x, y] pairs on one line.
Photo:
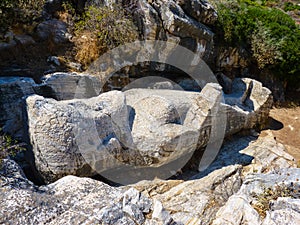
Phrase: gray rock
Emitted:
{"points": [[201, 10], [12, 91], [178, 24], [247, 106], [242, 202], [71, 200], [195, 201], [199, 199], [225, 82], [65, 86], [168, 123], [148, 21], [260, 155], [24, 39], [283, 211], [53, 30]]}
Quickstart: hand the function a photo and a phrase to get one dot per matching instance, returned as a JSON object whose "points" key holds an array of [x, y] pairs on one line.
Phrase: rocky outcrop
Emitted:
{"points": [[210, 197], [204, 196], [201, 10], [73, 200], [256, 155]]}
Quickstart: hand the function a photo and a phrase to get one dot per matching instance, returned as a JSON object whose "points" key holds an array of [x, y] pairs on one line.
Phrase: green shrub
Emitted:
{"points": [[271, 35], [101, 29], [29, 10], [289, 6], [6, 13], [9, 146], [265, 52], [13, 12]]}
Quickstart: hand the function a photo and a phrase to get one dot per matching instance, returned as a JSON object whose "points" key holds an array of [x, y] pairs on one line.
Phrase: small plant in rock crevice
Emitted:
{"points": [[263, 201], [9, 146]]}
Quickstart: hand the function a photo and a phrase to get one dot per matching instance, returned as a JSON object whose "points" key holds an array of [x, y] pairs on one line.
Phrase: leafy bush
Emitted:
{"points": [[6, 12], [29, 10], [289, 6], [101, 29], [265, 52], [270, 34]]}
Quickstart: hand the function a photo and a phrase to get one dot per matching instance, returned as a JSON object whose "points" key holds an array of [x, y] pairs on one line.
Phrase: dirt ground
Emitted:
{"points": [[285, 126]]}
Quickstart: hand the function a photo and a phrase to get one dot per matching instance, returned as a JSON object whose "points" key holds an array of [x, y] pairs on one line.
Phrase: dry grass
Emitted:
{"points": [[102, 29], [88, 48]]}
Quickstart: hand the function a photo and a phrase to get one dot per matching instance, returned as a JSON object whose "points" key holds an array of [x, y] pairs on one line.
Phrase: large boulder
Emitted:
{"points": [[84, 133], [53, 30], [166, 120], [65, 86], [59, 132], [73, 200], [147, 128]]}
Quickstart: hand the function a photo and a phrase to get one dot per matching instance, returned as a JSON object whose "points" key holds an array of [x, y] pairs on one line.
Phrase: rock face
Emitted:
{"points": [[73, 200], [202, 11], [12, 91], [209, 197], [140, 127], [166, 20]]}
